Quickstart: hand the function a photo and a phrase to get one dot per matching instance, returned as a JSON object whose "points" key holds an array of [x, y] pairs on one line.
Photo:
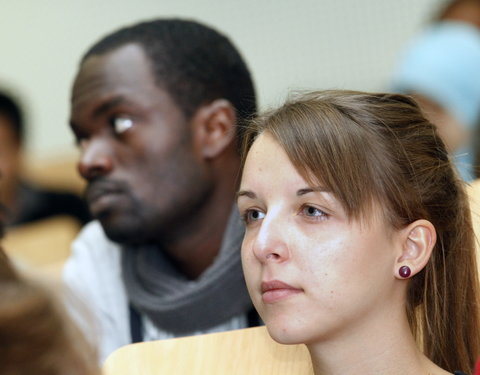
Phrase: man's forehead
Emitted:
{"points": [[114, 71]]}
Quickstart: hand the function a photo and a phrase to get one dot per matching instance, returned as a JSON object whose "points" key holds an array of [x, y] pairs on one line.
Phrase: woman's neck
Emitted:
{"points": [[382, 346]]}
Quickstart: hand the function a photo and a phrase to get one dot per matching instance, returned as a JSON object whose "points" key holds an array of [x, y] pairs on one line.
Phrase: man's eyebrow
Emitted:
{"points": [[315, 189], [104, 107], [245, 193], [109, 104]]}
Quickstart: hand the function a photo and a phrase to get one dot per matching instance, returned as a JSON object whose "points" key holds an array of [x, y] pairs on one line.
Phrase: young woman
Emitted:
{"points": [[358, 237]]}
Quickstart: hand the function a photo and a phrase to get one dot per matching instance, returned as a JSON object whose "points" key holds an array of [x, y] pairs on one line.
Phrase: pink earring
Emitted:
{"points": [[404, 271]]}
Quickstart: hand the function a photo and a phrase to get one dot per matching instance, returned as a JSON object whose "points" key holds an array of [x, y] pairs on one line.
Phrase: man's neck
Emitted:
{"points": [[195, 252], [194, 247]]}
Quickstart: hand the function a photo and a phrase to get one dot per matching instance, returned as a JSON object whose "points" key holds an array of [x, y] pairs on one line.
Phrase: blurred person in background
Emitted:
{"points": [[440, 69], [467, 11], [24, 202]]}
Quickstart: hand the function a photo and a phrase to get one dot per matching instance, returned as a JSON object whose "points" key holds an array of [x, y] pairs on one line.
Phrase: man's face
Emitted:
{"points": [[144, 178]]}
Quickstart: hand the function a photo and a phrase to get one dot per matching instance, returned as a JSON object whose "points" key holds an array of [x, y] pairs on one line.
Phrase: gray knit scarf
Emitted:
{"points": [[182, 306]]}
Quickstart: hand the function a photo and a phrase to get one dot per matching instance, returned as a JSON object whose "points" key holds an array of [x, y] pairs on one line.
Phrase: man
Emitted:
{"points": [[157, 111]]}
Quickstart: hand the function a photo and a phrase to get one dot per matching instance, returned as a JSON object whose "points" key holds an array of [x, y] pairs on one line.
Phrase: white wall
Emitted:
{"points": [[288, 44]]}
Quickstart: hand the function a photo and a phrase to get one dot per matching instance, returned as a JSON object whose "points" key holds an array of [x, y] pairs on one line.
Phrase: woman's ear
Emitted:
{"points": [[214, 128], [418, 240]]}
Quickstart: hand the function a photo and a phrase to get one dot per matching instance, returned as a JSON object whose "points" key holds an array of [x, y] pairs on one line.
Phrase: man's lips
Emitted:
{"points": [[95, 194], [96, 190], [275, 290], [103, 195]]}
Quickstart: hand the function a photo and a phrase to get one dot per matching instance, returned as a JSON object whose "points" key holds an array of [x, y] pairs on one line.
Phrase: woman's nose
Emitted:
{"points": [[271, 242], [96, 159]]}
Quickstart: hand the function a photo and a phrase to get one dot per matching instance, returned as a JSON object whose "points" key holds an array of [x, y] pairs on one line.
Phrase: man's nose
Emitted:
{"points": [[271, 243], [96, 159]]}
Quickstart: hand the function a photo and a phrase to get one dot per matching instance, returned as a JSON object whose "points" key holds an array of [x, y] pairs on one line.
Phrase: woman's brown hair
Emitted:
{"points": [[379, 148]]}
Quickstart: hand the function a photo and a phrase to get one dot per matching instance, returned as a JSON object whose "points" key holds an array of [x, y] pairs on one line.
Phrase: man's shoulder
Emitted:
{"points": [[93, 274], [94, 263]]}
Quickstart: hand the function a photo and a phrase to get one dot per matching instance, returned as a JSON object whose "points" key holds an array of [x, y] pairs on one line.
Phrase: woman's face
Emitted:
{"points": [[312, 273]]}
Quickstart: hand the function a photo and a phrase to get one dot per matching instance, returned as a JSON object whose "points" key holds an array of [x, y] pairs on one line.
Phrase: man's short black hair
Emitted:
{"points": [[11, 110], [193, 62]]}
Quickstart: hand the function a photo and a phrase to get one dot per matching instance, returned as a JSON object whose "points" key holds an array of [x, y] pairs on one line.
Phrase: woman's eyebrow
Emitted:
{"points": [[314, 189], [245, 193]]}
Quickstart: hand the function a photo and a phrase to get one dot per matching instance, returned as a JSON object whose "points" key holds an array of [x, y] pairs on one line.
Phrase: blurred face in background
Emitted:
{"points": [[463, 11], [9, 163]]}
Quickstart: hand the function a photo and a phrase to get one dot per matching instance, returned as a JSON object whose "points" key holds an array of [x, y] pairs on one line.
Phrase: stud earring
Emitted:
{"points": [[404, 271]]}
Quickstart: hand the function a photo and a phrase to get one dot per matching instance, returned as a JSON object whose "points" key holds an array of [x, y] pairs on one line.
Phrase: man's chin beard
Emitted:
{"points": [[124, 238], [126, 233]]}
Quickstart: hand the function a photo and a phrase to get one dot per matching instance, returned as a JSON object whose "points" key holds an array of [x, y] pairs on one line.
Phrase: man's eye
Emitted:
{"points": [[122, 124], [80, 138]]}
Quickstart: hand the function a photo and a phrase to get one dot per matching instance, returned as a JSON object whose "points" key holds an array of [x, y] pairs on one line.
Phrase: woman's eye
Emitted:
{"points": [[121, 124], [313, 212], [253, 215]]}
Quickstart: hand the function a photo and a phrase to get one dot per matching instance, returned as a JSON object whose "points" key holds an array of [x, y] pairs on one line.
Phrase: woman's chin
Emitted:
{"points": [[285, 335]]}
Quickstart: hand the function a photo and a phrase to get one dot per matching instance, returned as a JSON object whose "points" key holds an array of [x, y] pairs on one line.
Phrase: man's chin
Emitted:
{"points": [[122, 232]]}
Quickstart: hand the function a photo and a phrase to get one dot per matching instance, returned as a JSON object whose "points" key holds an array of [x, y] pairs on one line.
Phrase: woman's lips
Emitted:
{"points": [[274, 291]]}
